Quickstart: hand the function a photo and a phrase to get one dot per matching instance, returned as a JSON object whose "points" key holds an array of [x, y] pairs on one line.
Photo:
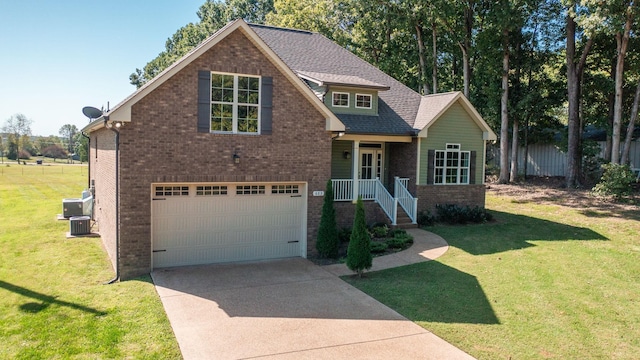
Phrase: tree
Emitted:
{"points": [[19, 128], [81, 146], [359, 255], [575, 70], [327, 243], [213, 16], [68, 132], [2, 147], [632, 120], [54, 151]]}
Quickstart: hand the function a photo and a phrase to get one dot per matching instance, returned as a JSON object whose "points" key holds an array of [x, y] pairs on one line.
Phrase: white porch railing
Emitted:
{"points": [[343, 189], [404, 198], [387, 202], [374, 190]]}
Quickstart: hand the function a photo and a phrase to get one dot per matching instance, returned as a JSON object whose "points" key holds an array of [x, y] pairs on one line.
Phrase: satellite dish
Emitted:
{"points": [[91, 112]]}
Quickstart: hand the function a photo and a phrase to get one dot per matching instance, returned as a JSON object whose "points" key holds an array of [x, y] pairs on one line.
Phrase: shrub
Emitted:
{"points": [[378, 247], [380, 231], [397, 232], [359, 251], [328, 243], [457, 215], [400, 241], [344, 234], [425, 218], [616, 181]]}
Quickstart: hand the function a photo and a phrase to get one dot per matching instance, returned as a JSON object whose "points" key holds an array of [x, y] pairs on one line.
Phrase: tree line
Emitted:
{"points": [[535, 69], [17, 143]]}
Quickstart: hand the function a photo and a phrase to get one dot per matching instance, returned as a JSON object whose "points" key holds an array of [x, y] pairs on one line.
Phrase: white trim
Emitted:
{"points": [[375, 138], [418, 162], [236, 104], [122, 111], [456, 149], [487, 132], [231, 192], [333, 99], [364, 107]]}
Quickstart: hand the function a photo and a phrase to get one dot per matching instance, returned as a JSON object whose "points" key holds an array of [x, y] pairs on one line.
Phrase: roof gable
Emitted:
{"points": [[432, 107], [313, 55], [122, 111]]}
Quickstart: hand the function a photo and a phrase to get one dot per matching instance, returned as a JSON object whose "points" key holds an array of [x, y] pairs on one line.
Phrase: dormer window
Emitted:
{"points": [[340, 99], [363, 101]]}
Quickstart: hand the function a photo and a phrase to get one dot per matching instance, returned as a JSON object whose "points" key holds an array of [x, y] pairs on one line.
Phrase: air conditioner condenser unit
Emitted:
{"points": [[79, 225]]}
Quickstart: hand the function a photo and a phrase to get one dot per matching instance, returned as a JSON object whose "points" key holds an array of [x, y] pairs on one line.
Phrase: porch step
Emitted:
{"points": [[403, 221]]}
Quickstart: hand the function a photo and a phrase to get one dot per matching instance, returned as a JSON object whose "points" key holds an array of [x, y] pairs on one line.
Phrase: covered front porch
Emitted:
{"points": [[370, 168]]}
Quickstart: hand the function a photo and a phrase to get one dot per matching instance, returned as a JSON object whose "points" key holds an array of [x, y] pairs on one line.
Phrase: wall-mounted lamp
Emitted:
{"points": [[114, 124], [236, 158], [346, 154]]}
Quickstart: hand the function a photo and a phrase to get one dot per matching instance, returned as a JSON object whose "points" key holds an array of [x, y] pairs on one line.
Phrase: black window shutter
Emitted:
{"points": [[472, 168], [266, 115], [204, 101], [431, 156]]}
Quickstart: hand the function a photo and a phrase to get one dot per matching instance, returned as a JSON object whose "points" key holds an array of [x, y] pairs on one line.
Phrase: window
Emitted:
{"points": [[451, 165], [211, 190], [235, 103], [172, 191], [340, 99], [284, 189], [250, 190], [363, 101]]}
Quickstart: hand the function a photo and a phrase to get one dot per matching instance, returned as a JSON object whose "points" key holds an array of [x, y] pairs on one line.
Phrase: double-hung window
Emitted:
{"points": [[235, 103], [451, 165], [363, 101], [340, 99]]}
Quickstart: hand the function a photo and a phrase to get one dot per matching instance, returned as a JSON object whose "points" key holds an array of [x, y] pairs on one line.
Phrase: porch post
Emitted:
{"points": [[355, 164]]}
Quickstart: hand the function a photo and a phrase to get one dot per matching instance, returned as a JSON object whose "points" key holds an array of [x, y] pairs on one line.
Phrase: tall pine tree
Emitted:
{"points": [[327, 243], [359, 252]]}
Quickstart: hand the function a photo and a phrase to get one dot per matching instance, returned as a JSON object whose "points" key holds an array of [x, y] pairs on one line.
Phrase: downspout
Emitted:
{"points": [[88, 159], [115, 130]]}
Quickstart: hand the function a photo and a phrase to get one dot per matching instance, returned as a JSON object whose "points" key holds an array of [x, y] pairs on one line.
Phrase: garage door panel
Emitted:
{"points": [[209, 229]]}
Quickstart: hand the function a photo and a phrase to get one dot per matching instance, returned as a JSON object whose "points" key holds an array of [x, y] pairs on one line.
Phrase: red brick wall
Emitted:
{"points": [[345, 212], [162, 144], [430, 195], [103, 173], [402, 163]]}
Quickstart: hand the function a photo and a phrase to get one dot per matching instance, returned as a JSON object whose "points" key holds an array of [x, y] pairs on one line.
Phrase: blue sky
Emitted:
{"points": [[58, 56]]}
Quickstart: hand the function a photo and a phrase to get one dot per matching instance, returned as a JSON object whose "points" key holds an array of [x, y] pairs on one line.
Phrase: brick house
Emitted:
{"points": [[224, 156]]}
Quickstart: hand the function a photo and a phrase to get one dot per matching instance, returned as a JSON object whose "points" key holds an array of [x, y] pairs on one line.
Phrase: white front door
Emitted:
{"points": [[370, 164]]}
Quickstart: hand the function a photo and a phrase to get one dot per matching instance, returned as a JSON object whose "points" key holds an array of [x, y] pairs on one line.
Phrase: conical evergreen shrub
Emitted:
{"points": [[328, 242], [359, 256]]}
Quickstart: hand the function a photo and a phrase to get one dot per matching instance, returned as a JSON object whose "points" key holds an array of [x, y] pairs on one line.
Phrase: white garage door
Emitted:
{"points": [[212, 223]]}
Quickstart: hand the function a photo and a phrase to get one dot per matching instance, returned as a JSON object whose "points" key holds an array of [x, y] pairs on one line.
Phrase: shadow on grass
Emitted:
{"points": [[45, 300], [511, 232], [431, 292]]}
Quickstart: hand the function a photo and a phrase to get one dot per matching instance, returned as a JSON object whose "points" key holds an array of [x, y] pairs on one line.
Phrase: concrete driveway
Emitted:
{"points": [[285, 309]]}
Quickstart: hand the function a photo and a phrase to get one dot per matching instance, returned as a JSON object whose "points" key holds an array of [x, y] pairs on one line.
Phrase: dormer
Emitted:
{"points": [[345, 94]]}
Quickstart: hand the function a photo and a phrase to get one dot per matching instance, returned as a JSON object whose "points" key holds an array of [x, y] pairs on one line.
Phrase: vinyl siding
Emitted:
{"points": [[352, 110], [454, 127], [341, 167]]}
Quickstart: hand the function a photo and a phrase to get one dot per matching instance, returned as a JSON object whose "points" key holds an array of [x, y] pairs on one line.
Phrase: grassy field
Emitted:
{"points": [[545, 281], [53, 304]]}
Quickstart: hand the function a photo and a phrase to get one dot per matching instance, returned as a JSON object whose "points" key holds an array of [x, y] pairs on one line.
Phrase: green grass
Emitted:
{"points": [[53, 304], [543, 281]]}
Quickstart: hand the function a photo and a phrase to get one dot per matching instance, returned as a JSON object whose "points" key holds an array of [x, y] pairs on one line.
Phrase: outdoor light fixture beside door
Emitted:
{"points": [[236, 158]]}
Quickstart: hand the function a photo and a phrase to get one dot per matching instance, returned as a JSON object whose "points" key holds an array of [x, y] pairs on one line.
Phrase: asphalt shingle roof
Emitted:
{"points": [[307, 52]]}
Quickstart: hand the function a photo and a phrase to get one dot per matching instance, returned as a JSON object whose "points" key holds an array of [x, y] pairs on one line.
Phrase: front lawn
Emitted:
{"points": [[53, 304], [546, 280]]}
